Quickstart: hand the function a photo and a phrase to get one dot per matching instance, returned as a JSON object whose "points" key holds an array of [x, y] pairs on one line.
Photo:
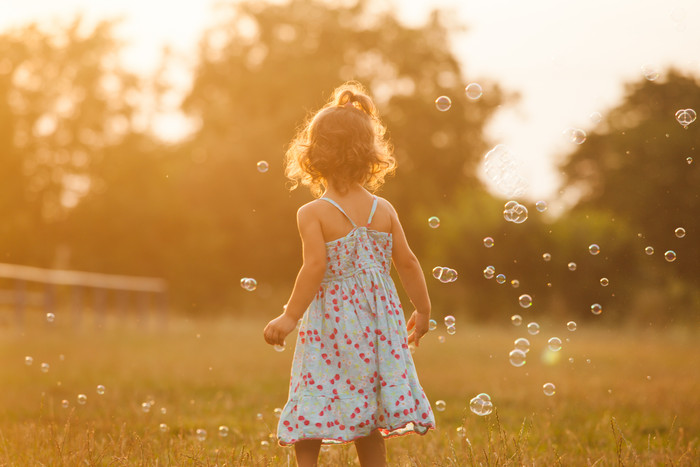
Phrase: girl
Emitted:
{"points": [[353, 377]]}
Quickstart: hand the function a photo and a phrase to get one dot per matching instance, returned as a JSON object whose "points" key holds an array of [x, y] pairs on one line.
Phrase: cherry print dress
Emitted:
{"points": [[352, 370]]}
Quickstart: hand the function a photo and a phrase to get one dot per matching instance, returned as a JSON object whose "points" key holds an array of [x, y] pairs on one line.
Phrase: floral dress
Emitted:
{"points": [[352, 370]]}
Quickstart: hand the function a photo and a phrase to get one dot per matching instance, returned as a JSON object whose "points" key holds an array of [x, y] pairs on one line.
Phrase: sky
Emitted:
{"points": [[565, 59]]}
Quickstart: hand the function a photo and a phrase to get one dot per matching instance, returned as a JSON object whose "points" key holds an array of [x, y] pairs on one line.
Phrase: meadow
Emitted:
{"points": [[624, 396]]}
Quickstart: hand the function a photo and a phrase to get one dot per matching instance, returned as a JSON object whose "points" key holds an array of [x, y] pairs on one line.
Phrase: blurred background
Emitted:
{"points": [[131, 132]]}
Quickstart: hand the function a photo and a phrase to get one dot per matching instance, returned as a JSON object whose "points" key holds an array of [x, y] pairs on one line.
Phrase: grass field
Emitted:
{"points": [[629, 397]]}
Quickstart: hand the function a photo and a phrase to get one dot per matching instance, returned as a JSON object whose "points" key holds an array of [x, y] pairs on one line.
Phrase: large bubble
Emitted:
{"points": [[685, 117], [481, 404], [515, 212], [503, 170]]}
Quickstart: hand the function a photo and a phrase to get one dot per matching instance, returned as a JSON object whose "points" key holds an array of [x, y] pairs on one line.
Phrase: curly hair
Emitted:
{"points": [[342, 144]]}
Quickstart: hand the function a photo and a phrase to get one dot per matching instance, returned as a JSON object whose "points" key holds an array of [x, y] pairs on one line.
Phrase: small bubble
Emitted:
{"points": [[100, 389], [515, 283], [525, 301], [593, 249], [680, 232], [548, 389], [517, 320], [571, 359], [433, 222], [449, 320], [649, 250], [264, 443], [451, 330], [201, 434], [223, 431], [685, 117], [473, 91], [432, 325], [596, 309], [588, 360], [517, 357], [82, 399], [604, 281], [145, 407], [259, 416], [277, 412], [28, 360], [489, 272], [522, 344], [488, 242], [546, 257], [441, 339], [595, 117], [263, 166], [50, 317], [440, 406], [501, 278], [249, 284], [443, 103], [65, 404], [689, 160], [279, 348], [461, 432], [541, 206], [571, 325], [163, 427], [575, 135], [481, 405], [554, 344], [650, 72], [44, 367], [533, 328], [163, 410], [670, 256]]}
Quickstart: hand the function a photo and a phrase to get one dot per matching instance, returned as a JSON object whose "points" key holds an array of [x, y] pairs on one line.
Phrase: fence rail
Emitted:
{"points": [[78, 282]]}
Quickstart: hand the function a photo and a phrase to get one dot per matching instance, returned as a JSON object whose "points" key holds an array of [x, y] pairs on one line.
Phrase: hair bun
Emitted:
{"points": [[347, 97]]}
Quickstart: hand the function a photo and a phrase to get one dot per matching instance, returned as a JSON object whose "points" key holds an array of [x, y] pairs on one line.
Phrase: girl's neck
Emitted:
{"points": [[333, 192]]}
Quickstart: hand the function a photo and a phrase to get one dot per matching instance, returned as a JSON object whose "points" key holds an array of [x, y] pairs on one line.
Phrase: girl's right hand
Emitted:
{"points": [[418, 323], [277, 329]]}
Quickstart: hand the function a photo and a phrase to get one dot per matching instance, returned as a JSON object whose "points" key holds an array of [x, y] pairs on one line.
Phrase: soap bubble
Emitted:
{"points": [[473, 91], [554, 344], [443, 103], [680, 232], [572, 266], [145, 407], [516, 213], [279, 348], [461, 432], [223, 431], [575, 135], [441, 339], [448, 275], [670, 256], [65, 404], [50, 317], [596, 309], [488, 242], [163, 427], [515, 283], [501, 278], [100, 389], [437, 272], [201, 434], [504, 171], [650, 72], [163, 410], [249, 284], [595, 117], [263, 166], [571, 325], [44, 367], [604, 281], [259, 416], [432, 325], [685, 117], [82, 399], [517, 320], [649, 250], [28, 360], [533, 328], [593, 249], [689, 160], [517, 357], [525, 301], [548, 389], [541, 206], [489, 272], [522, 344], [546, 257], [433, 222], [451, 330], [481, 405], [440, 406], [278, 412]]}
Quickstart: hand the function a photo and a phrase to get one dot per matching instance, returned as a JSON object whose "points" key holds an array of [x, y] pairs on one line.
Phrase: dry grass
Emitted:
{"points": [[635, 403]]}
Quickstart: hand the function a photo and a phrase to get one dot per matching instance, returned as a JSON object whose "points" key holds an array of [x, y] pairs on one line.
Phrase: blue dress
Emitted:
{"points": [[352, 371]]}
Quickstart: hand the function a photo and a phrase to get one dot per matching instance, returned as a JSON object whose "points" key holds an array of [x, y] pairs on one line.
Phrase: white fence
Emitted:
{"points": [[80, 283]]}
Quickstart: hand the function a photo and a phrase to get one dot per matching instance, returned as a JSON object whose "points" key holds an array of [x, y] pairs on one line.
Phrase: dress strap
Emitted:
{"points": [[341, 210], [371, 212]]}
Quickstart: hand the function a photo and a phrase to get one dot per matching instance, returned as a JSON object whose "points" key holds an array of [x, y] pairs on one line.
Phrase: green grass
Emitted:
{"points": [[635, 403]]}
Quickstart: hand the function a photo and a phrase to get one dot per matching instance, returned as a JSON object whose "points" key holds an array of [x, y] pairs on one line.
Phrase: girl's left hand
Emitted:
{"points": [[277, 329]]}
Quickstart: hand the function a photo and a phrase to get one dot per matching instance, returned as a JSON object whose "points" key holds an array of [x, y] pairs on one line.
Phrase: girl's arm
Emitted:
{"points": [[412, 278], [308, 279]]}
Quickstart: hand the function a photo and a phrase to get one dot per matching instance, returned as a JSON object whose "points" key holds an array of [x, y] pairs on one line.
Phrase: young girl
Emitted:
{"points": [[353, 377]]}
